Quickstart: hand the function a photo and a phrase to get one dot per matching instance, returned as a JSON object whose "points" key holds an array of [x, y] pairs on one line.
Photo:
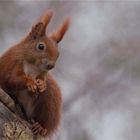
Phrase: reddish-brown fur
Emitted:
{"points": [[42, 106]]}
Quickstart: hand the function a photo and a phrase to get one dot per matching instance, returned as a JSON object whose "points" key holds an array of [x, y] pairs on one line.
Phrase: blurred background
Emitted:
{"points": [[99, 66]]}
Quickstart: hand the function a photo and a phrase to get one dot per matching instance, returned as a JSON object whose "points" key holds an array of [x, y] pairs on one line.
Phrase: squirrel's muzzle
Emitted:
{"points": [[48, 64]]}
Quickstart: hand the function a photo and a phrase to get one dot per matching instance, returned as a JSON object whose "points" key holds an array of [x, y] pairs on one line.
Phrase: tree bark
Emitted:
{"points": [[12, 126]]}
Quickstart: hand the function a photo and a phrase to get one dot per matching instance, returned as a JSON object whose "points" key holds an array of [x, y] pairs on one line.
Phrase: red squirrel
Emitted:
{"points": [[24, 75]]}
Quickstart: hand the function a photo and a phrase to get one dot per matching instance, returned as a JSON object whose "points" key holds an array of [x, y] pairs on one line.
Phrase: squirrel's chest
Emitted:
{"points": [[31, 70]]}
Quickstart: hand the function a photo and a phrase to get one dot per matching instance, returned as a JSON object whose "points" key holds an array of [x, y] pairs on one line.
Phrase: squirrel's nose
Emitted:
{"points": [[50, 66]]}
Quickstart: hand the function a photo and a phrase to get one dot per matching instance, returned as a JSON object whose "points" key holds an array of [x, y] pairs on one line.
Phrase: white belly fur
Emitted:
{"points": [[31, 70]]}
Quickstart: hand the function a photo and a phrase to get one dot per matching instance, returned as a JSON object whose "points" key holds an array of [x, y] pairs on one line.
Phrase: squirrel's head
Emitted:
{"points": [[42, 49]]}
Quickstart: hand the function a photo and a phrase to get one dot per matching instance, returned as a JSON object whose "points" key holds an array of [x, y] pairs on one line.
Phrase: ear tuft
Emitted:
{"points": [[59, 34], [39, 28]]}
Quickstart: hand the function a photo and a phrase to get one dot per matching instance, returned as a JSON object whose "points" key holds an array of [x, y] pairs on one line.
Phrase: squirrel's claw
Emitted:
{"points": [[44, 132], [31, 85], [38, 129], [41, 84]]}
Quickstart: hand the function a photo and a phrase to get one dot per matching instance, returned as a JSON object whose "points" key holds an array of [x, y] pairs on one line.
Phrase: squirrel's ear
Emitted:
{"points": [[60, 32], [39, 28], [36, 31]]}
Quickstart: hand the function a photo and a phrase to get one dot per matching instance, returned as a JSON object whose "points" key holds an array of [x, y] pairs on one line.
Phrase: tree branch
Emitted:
{"points": [[12, 126]]}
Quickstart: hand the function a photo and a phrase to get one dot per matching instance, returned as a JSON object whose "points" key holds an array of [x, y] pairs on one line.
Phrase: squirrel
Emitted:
{"points": [[24, 75]]}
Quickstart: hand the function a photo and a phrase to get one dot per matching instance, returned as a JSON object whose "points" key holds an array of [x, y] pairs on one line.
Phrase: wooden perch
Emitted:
{"points": [[12, 126]]}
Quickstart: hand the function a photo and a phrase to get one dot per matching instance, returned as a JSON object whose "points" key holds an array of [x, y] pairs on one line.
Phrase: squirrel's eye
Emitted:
{"points": [[41, 46]]}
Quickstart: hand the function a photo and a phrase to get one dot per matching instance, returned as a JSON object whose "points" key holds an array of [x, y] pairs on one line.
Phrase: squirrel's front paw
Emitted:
{"points": [[31, 85], [41, 84]]}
